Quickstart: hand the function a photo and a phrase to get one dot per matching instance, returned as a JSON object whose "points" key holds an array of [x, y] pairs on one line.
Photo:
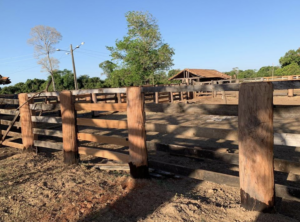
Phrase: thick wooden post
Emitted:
{"points": [[26, 123], [69, 129], [256, 163], [156, 97], [181, 93], [290, 91], [136, 133]]}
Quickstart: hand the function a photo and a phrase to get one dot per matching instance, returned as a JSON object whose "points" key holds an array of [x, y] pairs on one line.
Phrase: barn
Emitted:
{"points": [[199, 75]]}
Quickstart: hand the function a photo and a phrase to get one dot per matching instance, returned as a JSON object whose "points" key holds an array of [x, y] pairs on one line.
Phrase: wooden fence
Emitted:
{"points": [[255, 135]]}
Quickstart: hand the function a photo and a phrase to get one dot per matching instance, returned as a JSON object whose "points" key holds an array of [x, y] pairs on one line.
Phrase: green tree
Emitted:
{"points": [[266, 71], [292, 56], [292, 69], [140, 55], [173, 72]]}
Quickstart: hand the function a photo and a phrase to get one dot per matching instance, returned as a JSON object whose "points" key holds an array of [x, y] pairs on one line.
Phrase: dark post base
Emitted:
{"points": [[71, 158], [140, 172], [252, 204]]}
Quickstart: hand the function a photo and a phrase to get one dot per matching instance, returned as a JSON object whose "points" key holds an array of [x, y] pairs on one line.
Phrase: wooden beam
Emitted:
{"points": [[9, 101], [7, 122], [47, 132], [102, 139], [256, 140], [188, 131], [286, 192], [26, 123], [101, 107], [47, 144], [192, 88], [199, 152], [94, 100], [104, 154], [46, 119], [45, 107], [12, 144], [69, 128], [136, 133], [102, 123], [8, 112]]}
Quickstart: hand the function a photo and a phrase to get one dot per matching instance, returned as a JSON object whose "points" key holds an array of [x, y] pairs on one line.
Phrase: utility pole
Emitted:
{"points": [[74, 70], [73, 62]]}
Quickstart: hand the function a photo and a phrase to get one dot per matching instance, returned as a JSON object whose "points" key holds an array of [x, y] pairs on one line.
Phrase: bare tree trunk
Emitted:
{"points": [[51, 73], [48, 84]]}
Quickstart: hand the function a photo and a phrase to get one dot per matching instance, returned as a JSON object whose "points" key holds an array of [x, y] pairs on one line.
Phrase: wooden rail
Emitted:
{"points": [[101, 107]]}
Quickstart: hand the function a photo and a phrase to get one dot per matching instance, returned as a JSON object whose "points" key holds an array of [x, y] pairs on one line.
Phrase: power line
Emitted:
{"points": [[16, 61], [16, 57], [96, 52], [93, 55]]}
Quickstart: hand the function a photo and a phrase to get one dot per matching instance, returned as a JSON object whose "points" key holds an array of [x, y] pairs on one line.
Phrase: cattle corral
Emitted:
{"points": [[207, 134]]}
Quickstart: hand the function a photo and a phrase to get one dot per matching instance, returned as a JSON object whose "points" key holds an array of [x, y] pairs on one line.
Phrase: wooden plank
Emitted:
{"points": [[102, 139], [94, 100], [8, 111], [46, 119], [26, 123], [47, 132], [69, 128], [287, 192], [12, 144], [9, 101], [290, 84], [47, 144], [101, 107], [104, 154], [136, 133], [188, 131], [12, 134], [192, 88], [199, 152], [7, 122], [45, 107], [201, 109], [256, 164], [102, 123], [10, 126]]}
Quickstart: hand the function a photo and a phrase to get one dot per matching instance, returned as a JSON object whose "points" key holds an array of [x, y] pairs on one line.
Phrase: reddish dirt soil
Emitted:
{"points": [[41, 188]]}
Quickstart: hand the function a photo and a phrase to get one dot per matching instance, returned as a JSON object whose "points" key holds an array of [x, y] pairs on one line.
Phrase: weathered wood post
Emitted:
{"points": [[136, 133], [256, 163], [290, 91], [69, 129], [181, 93], [26, 122], [156, 97]]}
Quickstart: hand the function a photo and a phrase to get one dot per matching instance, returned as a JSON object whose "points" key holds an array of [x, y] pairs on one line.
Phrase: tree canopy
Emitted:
{"points": [[292, 56], [140, 55]]}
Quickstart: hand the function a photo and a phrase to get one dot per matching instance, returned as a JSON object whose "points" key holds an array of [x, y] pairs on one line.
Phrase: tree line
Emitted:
{"points": [[289, 65]]}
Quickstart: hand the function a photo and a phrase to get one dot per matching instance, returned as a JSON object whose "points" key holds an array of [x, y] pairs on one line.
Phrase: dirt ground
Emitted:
{"points": [[41, 188]]}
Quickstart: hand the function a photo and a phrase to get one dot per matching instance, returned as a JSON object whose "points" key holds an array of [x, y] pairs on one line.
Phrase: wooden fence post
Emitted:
{"points": [[256, 162], [290, 91], [69, 129], [26, 123], [156, 97], [136, 133]]}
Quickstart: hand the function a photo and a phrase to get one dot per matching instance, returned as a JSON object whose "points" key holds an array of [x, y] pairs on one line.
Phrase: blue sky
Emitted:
{"points": [[215, 34]]}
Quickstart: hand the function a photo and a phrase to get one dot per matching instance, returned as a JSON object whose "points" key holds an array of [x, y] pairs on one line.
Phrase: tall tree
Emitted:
{"points": [[43, 38], [141, 54], [292, 56]]}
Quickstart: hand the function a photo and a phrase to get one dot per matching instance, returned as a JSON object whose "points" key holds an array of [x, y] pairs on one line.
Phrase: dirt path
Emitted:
{"points": [[41, 188]]}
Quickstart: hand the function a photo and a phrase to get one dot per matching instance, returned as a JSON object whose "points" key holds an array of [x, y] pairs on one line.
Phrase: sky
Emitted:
{"points": [[210, 34]]}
